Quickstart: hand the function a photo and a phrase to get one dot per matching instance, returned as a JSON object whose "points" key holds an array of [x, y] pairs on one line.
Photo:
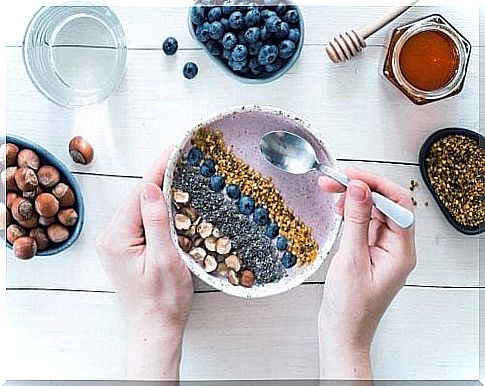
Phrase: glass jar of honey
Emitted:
{"points": [[427, 59]]}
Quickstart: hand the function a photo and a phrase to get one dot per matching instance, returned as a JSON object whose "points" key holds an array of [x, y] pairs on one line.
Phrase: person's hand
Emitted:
{"points": [[372, 264], [151, 280]]}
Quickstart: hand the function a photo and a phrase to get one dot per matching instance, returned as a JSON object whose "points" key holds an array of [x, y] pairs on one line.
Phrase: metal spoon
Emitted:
{"points": [[293, 154]]}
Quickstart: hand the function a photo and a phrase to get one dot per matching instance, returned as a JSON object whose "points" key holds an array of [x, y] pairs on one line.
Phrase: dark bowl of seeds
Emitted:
{"points": [[452, 165], [241, 225]]}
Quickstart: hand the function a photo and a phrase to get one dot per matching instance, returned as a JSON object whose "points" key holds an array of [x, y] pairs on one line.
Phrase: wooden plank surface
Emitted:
{"points": [[426, 334], [445, 257]]}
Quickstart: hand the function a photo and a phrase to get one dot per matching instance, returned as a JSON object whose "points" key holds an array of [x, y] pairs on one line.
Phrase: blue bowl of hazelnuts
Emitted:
{"points": [[44, 202]]}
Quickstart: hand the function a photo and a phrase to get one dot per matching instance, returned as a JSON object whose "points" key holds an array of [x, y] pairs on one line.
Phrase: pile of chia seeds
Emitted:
{"points": [[248, 239]]}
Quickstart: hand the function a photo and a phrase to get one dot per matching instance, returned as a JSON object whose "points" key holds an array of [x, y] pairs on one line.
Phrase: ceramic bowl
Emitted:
{"points": [[243, 128], [47, 158]]}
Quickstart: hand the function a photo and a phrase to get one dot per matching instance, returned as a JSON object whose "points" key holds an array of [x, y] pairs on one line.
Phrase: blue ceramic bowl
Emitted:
{"points": [[253, 80], [47, 158]]}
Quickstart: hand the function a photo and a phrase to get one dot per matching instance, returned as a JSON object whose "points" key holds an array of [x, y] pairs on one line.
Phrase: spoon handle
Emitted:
{"points": [[400, 215]]}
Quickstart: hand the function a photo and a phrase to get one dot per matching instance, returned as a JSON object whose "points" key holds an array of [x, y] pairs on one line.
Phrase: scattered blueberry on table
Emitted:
{"points": [[170, 46], [253, 41], [190, 70]]}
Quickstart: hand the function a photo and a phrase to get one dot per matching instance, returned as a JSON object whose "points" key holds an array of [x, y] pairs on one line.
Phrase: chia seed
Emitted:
{"points": [[254, 248]]}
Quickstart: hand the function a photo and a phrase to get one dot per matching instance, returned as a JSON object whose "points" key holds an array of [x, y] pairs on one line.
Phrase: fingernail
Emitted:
{"points": [[151, 192], [357, 193]]}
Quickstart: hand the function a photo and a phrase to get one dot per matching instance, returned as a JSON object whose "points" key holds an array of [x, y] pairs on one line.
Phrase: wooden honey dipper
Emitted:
{"points": [[349, 44]]}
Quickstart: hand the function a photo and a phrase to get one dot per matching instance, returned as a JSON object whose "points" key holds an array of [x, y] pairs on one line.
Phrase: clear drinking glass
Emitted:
{"points": [[75, 54]]}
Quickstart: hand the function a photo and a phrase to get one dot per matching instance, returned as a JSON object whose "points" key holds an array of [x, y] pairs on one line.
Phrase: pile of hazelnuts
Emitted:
{"points": [[39, 206]]}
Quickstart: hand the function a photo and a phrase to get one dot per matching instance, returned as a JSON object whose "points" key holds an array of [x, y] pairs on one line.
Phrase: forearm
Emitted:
{"points": [[154, 354]]}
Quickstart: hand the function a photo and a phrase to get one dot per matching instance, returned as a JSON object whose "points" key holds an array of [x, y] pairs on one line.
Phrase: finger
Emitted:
{"points": [[155, 221], [329, 185], [358, 206], [157, 171], [340, 205]]}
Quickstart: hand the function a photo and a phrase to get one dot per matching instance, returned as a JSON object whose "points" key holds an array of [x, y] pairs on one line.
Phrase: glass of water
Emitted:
{"points": [[75, 54]]}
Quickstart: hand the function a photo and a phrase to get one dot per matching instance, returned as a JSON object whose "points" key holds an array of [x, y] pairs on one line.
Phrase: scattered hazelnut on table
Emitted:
{"points": [[64, 194], [14, 232], [81, 151], [22, 209], [48, 176], [27, 158], [68, 217], [46, 205], [57, 233], [40, 237], [26, 179], [25, 248]]}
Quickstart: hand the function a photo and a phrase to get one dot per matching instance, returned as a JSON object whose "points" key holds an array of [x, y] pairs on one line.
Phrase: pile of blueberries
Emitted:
{"points": [[245, 204], [252, 40]]}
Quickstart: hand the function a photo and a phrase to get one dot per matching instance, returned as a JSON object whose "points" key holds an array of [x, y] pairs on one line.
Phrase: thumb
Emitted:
{"points": [[155, 219], [358, 207]]}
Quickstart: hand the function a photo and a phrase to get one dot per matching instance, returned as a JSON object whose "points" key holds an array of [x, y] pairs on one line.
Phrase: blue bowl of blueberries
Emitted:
{"points": [[254, 42]]}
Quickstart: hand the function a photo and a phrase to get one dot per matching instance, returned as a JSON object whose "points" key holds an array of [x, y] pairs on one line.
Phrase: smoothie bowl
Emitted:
{"points": [[241, 225]]}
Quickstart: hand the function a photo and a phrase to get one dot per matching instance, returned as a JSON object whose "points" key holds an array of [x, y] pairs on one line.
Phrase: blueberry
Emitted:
{"points": [[266, 14], [216, 183], [216, 30], [241, 37], [214, 14], [265, 34], [239, 66], [170, 46], [227, 54], [272, 230], [214, 48], [208, 169], [236, 20], [280, 9], [287, 49], [252, 35], [292, 16], [197, 14], [294, 35], [246, 205], [239, 53], [252, 18], [261, 216], [190, 70], [233, 192], [283, 32], [281, 242], [225, 23], [275, 66], [203, 32], [229, 41], [195, 156], [288, 260], [267, 54], [273, 24], [228, 7], [253, 49]]}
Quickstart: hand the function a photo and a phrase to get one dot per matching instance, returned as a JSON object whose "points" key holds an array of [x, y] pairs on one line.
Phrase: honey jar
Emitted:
{"points": [[427, 60]]}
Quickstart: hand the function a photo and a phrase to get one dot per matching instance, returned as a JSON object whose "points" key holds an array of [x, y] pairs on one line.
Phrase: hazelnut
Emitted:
{"points": [[222, 269], [204, 229], [233, 262], [198, 253], [32, 194], [216, 233], [81, 151], [22, 209], [25, 248], [46, 221], [31, 222], [40, 237], [10, 199], [198, 241], [46, 205], [223, 246], [180, 197], [27, 158], [189, 232], [247, 279], [210, 243], [8, 178], [26, 179], [232, 277], [185, 243], [8, 154], [48, 176], [3, 216], [210, 264], [182, 222], [67, 217], [57, 233], [14, 232], [64, 194], [190, 213]]}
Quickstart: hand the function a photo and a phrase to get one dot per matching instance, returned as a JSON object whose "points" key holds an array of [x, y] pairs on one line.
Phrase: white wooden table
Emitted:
{"points": [[64, 320]]}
